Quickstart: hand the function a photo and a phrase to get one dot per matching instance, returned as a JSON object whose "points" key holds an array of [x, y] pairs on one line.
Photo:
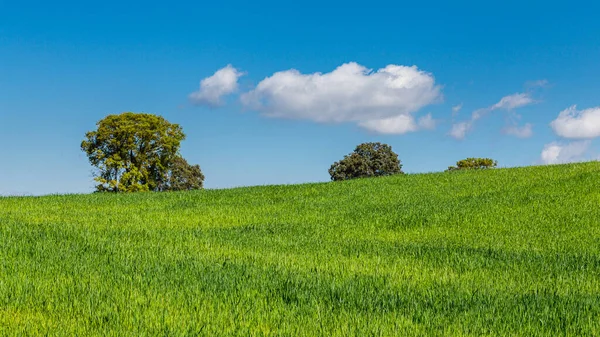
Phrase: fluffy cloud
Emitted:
{"points": [[223, 82], [555, 153], [382, 101], [520, 132], [393, 125], [399, 124], [577, 124], [509, 103]]}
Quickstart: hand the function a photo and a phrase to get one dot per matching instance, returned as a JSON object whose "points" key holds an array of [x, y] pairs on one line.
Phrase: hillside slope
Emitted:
{"points": [[505, 251]]}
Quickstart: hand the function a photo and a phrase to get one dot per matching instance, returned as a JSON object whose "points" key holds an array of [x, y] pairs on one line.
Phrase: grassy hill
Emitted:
{"points": [[498, 252]]}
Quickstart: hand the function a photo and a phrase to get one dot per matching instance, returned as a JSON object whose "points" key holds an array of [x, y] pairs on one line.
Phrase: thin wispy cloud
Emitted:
{"points": [[524, 131], [427, 122], [508, 103], [382, 101], [537, 84], [456, 108], [513, 102], [459, 130]]}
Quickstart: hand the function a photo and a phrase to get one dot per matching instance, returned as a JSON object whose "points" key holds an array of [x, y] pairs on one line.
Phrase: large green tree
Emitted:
{"points": [[367, 160], [473, 164], [134, 152]]}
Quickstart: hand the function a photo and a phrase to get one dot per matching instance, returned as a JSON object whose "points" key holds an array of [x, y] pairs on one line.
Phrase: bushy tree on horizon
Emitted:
{"points": [[183, 176], [367, 160], [136, 152], [473, 164]]}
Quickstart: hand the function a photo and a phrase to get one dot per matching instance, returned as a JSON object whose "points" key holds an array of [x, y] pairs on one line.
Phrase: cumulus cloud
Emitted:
{"points": [[509, 103], [393, 125], [577, 124], [382, 101], [521, 132], [223, 82], [399, 124], [556, 153]]}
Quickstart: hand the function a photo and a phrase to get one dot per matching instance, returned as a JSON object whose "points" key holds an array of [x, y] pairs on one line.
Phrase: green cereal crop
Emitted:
{"points": [[492, 252]]}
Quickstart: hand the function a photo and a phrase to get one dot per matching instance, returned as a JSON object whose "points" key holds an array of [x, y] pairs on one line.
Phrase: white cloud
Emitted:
{"points": [[479, 113], [427, 122], [513, 101], [521, 132], [223, 82], [577, 124], [508, 103], [459, 130], [456, 108], [537, 84], [555, 153], [399, 124], [382, 101], [393, 125]]}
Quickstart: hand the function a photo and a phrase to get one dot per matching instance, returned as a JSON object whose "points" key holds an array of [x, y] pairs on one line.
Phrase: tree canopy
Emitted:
{"points": [[473, 164], [138, 152], [183, 176], [367, 160]]}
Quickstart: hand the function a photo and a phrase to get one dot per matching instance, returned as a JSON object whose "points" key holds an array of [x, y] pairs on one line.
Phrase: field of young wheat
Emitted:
{"points": [[496, 252]]}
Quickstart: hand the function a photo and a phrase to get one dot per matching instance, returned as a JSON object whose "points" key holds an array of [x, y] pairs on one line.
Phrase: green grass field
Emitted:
{"points": [[497, 252]]}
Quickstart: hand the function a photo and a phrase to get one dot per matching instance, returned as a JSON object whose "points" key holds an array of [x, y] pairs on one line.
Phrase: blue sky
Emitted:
{"points": [[64, 65]]}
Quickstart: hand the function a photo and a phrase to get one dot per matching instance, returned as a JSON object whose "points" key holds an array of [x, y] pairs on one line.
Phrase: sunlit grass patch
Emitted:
{"points": [[495, 252]]}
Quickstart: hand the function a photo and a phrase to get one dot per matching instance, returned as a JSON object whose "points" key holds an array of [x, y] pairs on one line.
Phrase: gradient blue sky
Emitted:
{"points": [[64, 65]]}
